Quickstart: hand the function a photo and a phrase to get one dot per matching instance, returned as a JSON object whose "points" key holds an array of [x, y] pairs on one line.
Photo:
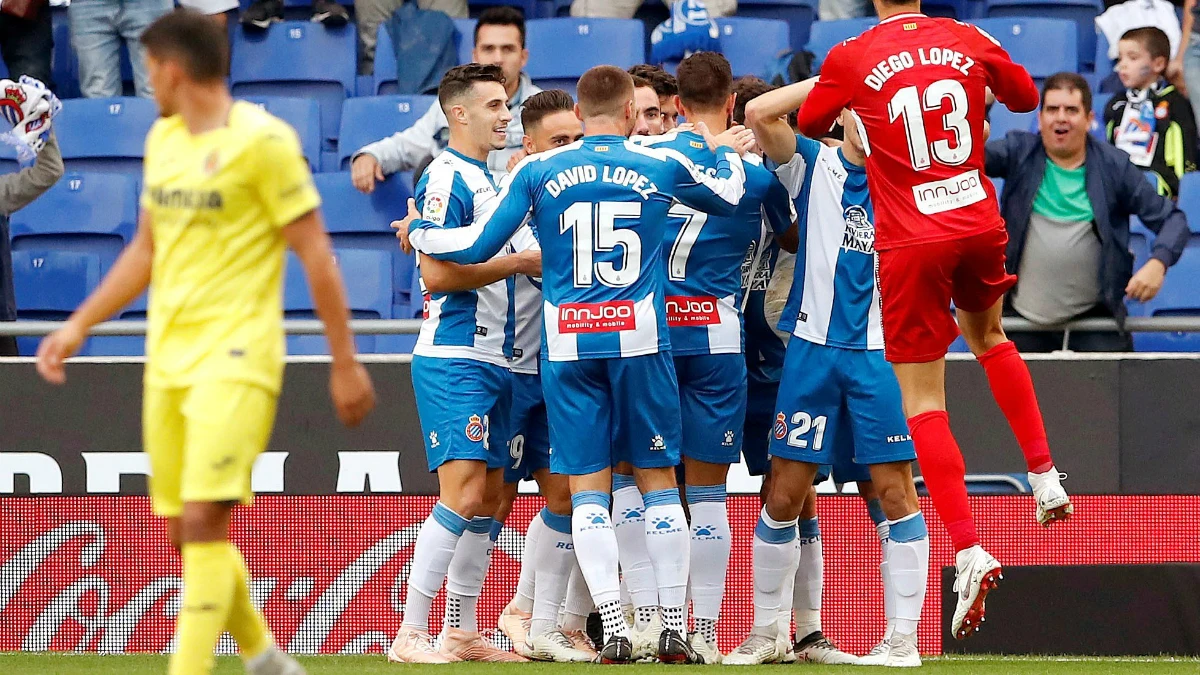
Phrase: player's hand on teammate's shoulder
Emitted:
{"points": [[365, 172], [737, 137], [401, 226], [516, 159], [1146, 283], [56, 348], [529, 262], [352, 392]]}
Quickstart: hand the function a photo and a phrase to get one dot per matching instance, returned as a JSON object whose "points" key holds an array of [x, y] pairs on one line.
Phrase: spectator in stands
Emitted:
{"points": [[625, 9], [832, 10], [98, 27], [665, 87], [26, 45], [262, 13], [218, 9], [1067, 201], [1189, 52], [371, 14], [499, 40], [16, 191], [1151, 121]]}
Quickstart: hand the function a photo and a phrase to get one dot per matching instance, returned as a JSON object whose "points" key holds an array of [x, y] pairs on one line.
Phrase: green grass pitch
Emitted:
{"points": [[78, 664]]}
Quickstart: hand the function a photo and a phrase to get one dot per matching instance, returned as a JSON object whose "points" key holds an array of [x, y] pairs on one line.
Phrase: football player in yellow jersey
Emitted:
{"points": [[226, 189]]}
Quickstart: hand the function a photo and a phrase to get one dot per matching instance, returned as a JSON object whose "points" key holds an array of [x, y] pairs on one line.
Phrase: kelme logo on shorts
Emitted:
{"points": [[780, 426], [474, 429]]}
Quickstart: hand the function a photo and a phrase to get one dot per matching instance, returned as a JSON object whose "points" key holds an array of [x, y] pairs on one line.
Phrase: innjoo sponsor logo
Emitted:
{"points": [[683, 310], [596, 317], [949, 194]]}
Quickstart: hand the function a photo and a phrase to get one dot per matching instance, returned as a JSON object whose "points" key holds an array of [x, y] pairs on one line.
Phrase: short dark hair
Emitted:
{"points": [[1069, 82], [604, 90], [459, 80], [705, 80], [501, 16], [195, 40], [748, 88], [663, 82], [544, 103], [1152, 39]]}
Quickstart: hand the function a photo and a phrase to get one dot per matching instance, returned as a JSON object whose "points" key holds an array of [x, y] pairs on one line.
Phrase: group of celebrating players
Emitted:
{"points": [[613, 318]]}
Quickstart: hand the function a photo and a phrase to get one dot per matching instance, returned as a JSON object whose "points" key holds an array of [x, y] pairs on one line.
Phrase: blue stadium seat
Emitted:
{"points": [[1044, 46], [105, 134], [954, 9], [828, 34], [358, 221], [1189, 200], [49, 285], [560, 50], [385, 59], [1099, 103], [1082, 12], [1004, 120], [370, 118], [529, 7], [92, 213], [298, 58], [751, 45], [798, 14], [305, 117], [999, 185], [1178, 297], [368, 279]]}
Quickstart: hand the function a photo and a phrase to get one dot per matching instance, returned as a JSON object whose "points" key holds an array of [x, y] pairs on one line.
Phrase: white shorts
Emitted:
{"points": [[210, 6]]}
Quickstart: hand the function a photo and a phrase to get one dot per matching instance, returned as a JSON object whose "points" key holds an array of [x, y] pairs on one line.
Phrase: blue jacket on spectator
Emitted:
{"points": [[1117, 190]]}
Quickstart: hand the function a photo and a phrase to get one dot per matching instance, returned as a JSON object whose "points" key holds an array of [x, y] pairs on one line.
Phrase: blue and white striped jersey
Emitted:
{"points": [[453, 193], [834, 299], [704, 253], [599, 212], [527, 301]]}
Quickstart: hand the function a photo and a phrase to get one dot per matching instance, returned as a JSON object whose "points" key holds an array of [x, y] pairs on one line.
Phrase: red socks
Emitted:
{"points": [[942, 466], [1013, 390]]}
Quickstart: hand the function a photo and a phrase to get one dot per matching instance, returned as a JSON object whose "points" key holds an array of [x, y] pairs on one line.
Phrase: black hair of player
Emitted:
{"points": [[544, 103], [501, 16], [458, 81], [705, 81], [748, 88], [604, 91], [194, 40], [1069, 82], [1153, 40], [663, 82]]}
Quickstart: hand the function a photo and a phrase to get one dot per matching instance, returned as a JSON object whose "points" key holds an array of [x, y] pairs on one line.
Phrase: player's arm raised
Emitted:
{"points": [[767, 116], [349, 384], [128, 278], [716, 195]]}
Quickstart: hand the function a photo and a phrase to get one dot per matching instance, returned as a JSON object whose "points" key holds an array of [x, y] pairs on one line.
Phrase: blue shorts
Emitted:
{"points": [[839, 405], [760, 416], [604, 411], [529, 449], [464, 406], [844, 469], [712, 398]]}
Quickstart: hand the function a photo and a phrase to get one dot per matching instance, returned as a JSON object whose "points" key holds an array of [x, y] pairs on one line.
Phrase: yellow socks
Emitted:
{"points": [[216, 598]]}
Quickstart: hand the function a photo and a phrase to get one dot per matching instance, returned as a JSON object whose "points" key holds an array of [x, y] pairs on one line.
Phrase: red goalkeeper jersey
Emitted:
{"points": [[917, 86]]}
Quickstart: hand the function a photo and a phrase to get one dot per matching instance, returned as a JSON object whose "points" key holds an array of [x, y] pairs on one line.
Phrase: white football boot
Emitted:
{"points": [[557, 647], [1052, 500], [755, 650], [705, 649], [878, 655], [645, 642], [978, 573], [274, 662], [816, 648], [902, 651]]}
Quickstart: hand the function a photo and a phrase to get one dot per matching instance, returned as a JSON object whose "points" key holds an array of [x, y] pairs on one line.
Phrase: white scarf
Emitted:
{"points": [[27, 107]]}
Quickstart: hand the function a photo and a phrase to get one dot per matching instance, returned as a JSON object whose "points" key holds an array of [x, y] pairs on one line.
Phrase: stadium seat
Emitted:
{"points": [[298, 58], [358, 221], [528, 7], [1189, 201], [798, 14], [560, 50], [466, 39], [999, 185], [92, 213], [1044, 46], [751, 45], [1178, 297], [368, 279], [1099, 103], [1004, 120], [828, 34], [49, 285], [305, 117], [370, 118], [1082, 12], [954, 9], [385, 59], [104, 134]]}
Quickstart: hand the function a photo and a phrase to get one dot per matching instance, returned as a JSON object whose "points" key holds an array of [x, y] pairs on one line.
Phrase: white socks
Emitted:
{"points": [[593, 532], [881, 529], [554, 559], [810, 580], [908, 567], [525, 583], [431, 557], [468, 568], [709, 563], [579, 601], [774, 557], [629, 522], [668, 543]]}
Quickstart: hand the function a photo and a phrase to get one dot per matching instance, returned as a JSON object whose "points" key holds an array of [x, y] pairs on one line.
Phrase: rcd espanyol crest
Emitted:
{"points": [[860, 233]]}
